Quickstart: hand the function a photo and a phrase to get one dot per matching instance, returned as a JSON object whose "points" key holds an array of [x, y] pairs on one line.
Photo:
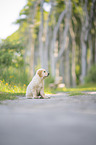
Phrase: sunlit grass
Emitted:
{"points": [[76, 93], [9, 92], [5, 87]]}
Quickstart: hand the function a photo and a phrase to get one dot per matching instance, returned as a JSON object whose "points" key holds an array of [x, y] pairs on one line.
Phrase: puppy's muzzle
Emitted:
{"points": [[48, 74]]}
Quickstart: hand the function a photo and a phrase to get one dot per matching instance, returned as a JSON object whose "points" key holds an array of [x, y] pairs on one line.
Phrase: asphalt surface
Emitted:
{"points": [[60, 120]]}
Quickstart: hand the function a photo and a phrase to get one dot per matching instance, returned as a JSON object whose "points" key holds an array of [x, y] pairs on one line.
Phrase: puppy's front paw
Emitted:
{"points": [[46, 97], [37, 97]]}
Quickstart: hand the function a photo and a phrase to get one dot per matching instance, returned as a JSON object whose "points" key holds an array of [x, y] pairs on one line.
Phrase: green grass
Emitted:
{"points": [[7, 96], [10, 91], [88, 86], [76, 93], [14, 76]]}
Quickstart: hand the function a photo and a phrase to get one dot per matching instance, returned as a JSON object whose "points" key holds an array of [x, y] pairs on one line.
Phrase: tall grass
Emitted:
{"points": [[15, 76]]}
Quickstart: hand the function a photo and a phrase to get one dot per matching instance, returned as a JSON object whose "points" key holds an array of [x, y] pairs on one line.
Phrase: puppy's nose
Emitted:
{"points": [[48, 74]]}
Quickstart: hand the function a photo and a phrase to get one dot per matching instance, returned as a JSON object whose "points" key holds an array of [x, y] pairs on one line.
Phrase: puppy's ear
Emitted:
{"points": [[39, 73]]}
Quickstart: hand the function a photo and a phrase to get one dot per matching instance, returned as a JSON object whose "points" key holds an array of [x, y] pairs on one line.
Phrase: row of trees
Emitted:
{"points": [[60, 36]]}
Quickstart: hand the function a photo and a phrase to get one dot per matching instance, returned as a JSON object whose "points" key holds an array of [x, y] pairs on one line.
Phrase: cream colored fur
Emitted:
{"points": [[35, 88]]}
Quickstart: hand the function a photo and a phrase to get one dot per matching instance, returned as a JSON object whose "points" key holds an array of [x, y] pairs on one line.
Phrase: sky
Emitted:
{"points": [[9, 12]]}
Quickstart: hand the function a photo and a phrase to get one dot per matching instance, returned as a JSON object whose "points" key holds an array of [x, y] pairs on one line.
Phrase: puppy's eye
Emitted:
{"points": [[44, 71]]}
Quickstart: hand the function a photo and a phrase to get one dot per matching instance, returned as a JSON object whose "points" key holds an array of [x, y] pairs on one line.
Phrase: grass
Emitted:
{"points": [[88, 86], [14, 76], [7, 96], [10, 91], [76, 93]]}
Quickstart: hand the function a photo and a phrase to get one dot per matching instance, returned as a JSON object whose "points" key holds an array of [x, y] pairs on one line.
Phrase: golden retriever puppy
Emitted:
{"points": [[35, 88]]}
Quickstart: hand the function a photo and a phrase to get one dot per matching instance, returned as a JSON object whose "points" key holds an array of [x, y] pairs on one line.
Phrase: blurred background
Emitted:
{"points": [[58, 35]]}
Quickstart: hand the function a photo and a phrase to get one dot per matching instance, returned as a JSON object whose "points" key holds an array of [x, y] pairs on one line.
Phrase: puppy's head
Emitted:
{"points": [[42, 73]]}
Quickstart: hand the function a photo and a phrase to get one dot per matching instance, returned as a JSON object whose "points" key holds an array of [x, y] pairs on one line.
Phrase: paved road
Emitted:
{"points": [[60, 120]]}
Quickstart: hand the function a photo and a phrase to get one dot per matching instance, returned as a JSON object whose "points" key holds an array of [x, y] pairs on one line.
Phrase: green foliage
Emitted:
{"points": [[11, 54], [14, 76], [91, 76], [5, 58]]}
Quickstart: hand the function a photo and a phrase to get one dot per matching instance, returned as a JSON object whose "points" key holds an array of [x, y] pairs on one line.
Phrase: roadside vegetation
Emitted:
{"points": [[9, 91]]}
